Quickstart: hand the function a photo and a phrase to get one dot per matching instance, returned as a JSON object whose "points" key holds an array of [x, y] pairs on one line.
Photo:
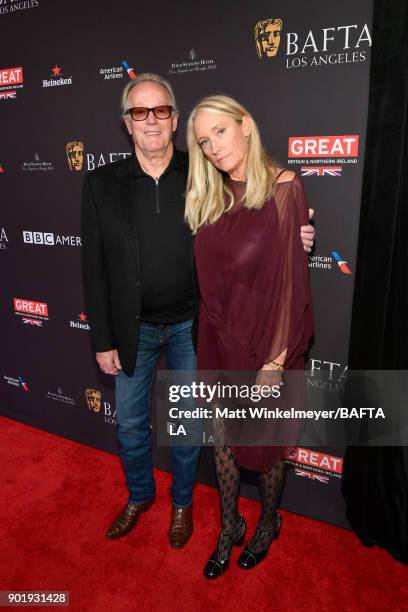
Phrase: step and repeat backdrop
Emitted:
{"points": [[301, 68]]}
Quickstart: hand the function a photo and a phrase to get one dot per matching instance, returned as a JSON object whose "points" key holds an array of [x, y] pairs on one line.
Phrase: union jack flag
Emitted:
{"points": [[32, 321], [321, 170], [7, 95], [311, 475]]}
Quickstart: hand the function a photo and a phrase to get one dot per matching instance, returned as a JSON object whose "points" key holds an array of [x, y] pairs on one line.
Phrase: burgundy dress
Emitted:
{"points": [[255, 295]]}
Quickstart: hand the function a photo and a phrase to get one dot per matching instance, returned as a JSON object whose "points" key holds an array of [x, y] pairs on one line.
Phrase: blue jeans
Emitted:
{"points": [[133, 413]]}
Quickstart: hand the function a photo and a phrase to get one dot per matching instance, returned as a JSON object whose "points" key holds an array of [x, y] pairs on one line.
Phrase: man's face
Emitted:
{"points": [[75, 153], [268, 38], [150, 135]]}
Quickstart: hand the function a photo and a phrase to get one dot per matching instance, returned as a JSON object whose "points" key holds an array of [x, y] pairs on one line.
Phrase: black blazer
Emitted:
{"points": [[110, 258]]}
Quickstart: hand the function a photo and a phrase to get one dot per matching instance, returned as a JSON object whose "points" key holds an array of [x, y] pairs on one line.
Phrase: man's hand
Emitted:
{"points": [[307, 233], [109, 362]]}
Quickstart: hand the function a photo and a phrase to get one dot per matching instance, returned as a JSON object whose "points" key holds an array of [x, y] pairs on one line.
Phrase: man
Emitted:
{"points": [[140, 290]]}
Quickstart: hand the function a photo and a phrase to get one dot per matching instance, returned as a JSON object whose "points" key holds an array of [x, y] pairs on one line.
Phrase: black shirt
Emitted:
{"points": [[165, 242]]}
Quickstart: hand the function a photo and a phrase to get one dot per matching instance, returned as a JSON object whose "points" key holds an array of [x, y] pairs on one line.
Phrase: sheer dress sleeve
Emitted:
{"points": [[286, 318]]}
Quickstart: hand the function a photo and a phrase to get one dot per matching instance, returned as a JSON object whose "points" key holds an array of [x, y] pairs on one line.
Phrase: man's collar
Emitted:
{"points": [[178, 162]]}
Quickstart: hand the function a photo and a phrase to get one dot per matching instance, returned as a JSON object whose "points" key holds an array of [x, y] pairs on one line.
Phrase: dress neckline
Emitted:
{"points": [[233, 183]]}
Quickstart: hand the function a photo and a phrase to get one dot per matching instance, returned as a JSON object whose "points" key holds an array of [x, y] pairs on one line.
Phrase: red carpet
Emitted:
{"points": [[58, 497]]}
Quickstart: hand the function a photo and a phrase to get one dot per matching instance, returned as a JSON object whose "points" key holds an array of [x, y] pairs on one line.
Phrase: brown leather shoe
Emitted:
{"points": [[181, 526], [126, 520]]}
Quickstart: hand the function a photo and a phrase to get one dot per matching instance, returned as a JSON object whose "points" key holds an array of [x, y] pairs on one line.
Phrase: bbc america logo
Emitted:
{"points": [[38, 238], [50, 239]]}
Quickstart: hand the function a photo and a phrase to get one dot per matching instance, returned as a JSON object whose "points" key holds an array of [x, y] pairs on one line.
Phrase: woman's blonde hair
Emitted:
{"points": [[208, 196]]}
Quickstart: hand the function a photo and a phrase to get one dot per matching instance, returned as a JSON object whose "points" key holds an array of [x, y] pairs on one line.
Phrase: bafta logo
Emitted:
{"points": [[267, 37], [75, 155], [93, 399]]}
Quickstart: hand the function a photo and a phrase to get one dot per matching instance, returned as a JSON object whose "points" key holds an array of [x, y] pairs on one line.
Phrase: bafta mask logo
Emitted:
{"points": [[75, 155], [93, 399], [267, 37]]}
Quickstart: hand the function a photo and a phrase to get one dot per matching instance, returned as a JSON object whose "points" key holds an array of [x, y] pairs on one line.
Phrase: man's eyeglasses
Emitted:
{"points": [[140, 113]]}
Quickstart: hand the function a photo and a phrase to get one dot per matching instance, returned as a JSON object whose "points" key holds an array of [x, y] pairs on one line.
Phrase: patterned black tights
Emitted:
{"points": [[228, 477], [271, 485]]}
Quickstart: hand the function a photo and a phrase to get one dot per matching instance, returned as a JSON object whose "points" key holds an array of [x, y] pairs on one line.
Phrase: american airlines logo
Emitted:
{"points": [[326, 262], [50, 239], [16, 382]]}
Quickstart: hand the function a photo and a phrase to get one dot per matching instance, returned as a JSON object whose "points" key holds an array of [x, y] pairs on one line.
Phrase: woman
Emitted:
{"points": [[255, 309]]}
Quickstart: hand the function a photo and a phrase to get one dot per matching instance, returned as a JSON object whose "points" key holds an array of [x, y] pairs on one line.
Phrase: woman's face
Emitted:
{"points": [[224, 141]]}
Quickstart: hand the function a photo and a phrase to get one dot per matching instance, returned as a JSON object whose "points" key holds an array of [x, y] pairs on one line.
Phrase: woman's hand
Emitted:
{"points": [[269, 375]]}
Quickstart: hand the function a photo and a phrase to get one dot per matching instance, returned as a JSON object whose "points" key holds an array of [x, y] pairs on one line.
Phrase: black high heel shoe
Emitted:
{"points": [[249, 559], [216, 566]]}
